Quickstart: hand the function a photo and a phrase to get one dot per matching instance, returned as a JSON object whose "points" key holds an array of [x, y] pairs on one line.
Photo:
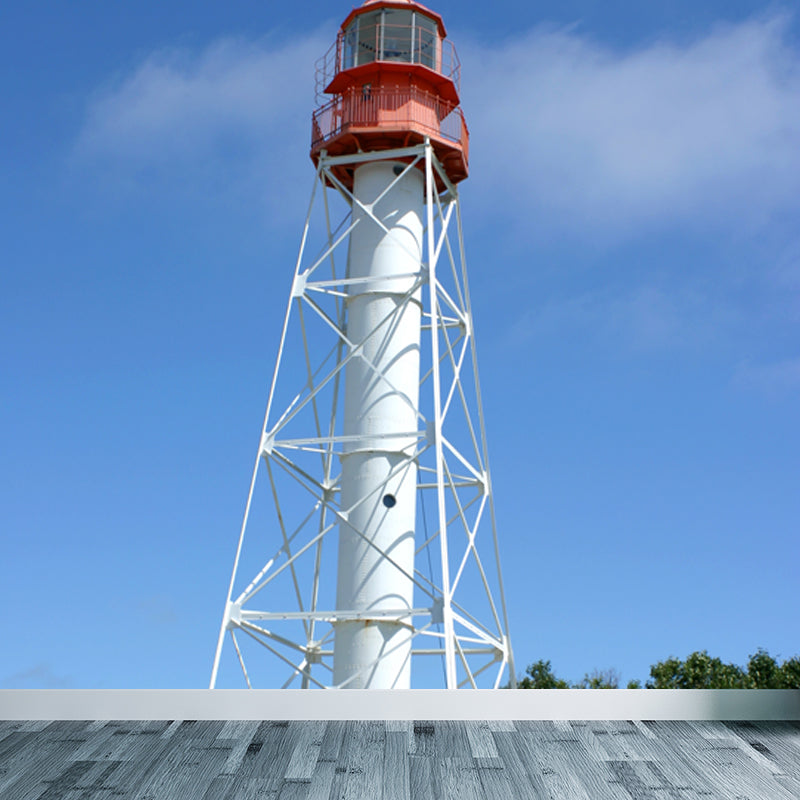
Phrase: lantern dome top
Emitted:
{"points": [[407, 5]]}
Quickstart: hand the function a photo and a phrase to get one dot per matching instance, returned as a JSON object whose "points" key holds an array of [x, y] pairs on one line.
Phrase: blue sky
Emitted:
{"points": [[631, 225]]}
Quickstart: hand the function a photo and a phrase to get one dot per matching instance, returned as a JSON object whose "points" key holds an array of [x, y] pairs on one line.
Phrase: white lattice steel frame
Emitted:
{"points": [[302, 440]]}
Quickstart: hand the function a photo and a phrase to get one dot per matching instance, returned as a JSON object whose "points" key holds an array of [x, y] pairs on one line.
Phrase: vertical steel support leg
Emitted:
{"points": [[450, 652]]}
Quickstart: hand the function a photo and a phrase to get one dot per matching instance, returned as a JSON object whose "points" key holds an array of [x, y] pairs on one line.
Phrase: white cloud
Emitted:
{"points": [[157, 610], [786, 274], [577, 134], [775, 379], [644, 318], [178, 104], [566, 132], [40, 676], [233, 117]]}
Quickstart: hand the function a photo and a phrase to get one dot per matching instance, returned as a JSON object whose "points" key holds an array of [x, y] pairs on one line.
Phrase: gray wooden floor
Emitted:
{"points": [[245, 760]]}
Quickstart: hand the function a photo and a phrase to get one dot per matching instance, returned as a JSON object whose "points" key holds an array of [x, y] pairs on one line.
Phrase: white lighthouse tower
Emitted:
{"points": [[372, 546]]}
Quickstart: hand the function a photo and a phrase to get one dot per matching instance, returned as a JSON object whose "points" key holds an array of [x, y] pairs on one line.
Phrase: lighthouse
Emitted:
{"points": [[373, 445]]}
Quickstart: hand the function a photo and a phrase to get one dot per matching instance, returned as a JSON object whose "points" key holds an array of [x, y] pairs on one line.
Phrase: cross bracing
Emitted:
{"points": [[281, 600]]}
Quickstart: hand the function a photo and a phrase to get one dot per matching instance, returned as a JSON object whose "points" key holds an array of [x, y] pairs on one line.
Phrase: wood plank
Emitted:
{"points": [[743, 770], [631, 782], [685, 746], [239, 745], [321, 780], [450, 739], [161, 748], [306, 751], [128, 742], [610, 738], [273, 760], [525, 781], [252, 753], [188, 763], [706, 728], [219, 789], [8, 726], [423, 778], [535, 741], [236, 729], [496, 781], [679, 764], [594, 777], [676, 787], [294, 790], [95, 725], [576, 749], [777, 742], [496, 784], [272, 756], [94, 745], [67, 781], [253, 779], [424, 741], [198, 771], [93, 783], [34, 724], [643, 729], [396, 768], [501, 725], [480, 738], [14, 745], [622, 740], [130, 749], [422, 781], [332, 740], [173, 726], [253, 773], [16, 756], [584, 731], [457, 778], [273, 771], [404, 726], [252, 789], [679, 776], [630, 739], [362, 760], [43, 761], [756, 754]]}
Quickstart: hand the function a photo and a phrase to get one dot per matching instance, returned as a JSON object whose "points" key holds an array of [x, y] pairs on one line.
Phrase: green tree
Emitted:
{"points": [[790, 674], [540, 676], [699, 671], [600, 679], [763, 671]]}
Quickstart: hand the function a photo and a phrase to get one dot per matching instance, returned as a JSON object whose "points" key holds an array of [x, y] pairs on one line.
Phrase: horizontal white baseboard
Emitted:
{"points": [[421, 704]]}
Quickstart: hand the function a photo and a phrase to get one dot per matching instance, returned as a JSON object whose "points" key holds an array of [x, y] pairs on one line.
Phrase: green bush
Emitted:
{"points": [[698, 671]]}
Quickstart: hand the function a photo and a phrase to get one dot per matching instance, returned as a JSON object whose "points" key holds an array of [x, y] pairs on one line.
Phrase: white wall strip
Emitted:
{"points": [[583, 704]]}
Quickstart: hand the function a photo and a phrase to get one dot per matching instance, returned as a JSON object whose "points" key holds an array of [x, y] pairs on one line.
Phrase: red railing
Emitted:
{"points": [[389, 109]]}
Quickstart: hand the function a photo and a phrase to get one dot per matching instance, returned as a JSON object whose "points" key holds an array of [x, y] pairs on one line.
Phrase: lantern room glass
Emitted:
{"points": [[390, 34]]}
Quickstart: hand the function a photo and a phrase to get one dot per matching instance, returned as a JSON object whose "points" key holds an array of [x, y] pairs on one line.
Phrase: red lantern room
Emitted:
{"points": [[394, 81]]}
